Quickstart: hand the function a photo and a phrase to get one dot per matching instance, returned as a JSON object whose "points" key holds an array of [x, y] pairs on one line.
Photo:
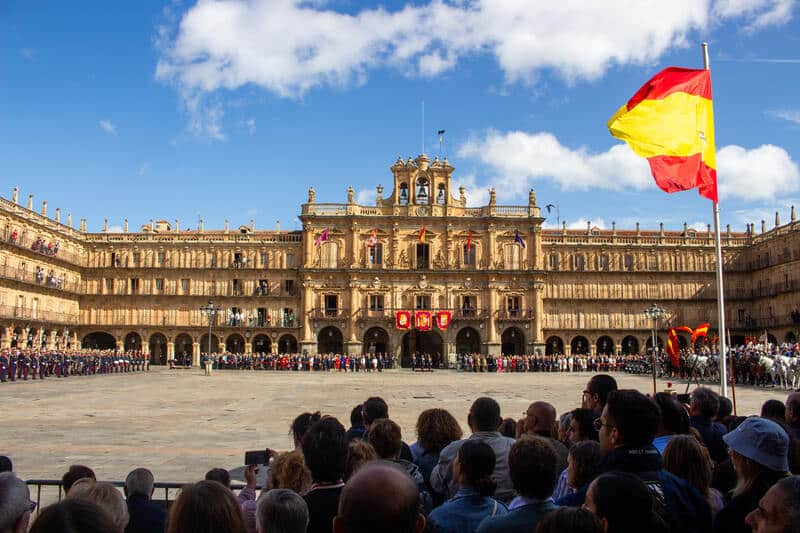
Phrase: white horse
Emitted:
{"points": [[699, 363]]}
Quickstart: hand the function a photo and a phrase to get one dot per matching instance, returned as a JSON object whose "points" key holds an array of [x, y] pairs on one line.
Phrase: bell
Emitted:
{"points": [[422, 192]]}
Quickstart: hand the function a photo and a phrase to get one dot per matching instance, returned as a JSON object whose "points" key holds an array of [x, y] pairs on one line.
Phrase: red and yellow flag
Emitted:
{"points": [[670, 122], [469, 240], [700, 331], [422, 234], [673, 348]]}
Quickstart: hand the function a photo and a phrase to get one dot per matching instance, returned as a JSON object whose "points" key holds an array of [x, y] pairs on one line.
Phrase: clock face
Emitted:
{"points": [[422, 211]]}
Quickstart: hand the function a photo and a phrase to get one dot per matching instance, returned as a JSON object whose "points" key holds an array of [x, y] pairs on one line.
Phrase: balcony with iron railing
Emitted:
{"points": [[39, 278], [37, 315], [40, 246], [515, 314]]}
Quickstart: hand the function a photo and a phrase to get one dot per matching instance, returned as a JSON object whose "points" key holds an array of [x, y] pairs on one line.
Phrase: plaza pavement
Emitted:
{"points": [[180, 423]]}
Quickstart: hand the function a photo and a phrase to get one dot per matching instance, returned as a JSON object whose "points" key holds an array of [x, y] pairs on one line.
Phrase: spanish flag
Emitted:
{"points": [[422, 234], [700, 331], [469, 240], [673, 348], [670, 122]]}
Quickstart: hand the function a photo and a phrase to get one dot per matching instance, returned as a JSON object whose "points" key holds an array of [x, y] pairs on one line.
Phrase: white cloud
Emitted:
{"points": [[108, 127], [115, 229], [516, 159], [791, 115], [205, 119], [758, 14], [368, 196], [583, 223]]}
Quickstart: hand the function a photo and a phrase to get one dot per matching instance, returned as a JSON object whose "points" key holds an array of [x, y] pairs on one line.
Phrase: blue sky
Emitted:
{"points": [[179, 110]]}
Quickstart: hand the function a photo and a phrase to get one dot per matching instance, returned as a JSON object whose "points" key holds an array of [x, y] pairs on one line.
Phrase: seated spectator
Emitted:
{"points": [[473, 502], [357, 428], [359, 452], [570, 520], [724, 412], [145, 516], [73, 474], [793, 413], [73, 516], [674, 420], [325, 452], [581, 428], [627, 428], [206, 507], [774, 410], [107, 497], [596, 393], [758, 450], [386, 437], [15, 504], [508, 428], [5, 464], [583, 466], [281, 511], [483, 419], [288, 470], [300, 426], [779, 509], [379, 498], [540, 418], [624, 504], [563, 428], [533, 466], [704, 406], [685, 457], [436, 428], [375, 408], [220, 475]]}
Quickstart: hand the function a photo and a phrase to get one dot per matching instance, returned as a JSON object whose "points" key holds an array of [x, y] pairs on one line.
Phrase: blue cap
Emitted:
{"points": [[762, 441]]}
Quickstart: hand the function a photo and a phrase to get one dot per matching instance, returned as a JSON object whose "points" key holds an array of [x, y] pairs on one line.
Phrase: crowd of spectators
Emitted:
{"points": [[621, 462]]}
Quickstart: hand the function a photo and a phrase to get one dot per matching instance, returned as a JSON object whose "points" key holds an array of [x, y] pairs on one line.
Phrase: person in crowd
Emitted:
{"points": [[581, 429], [220, 475], [596, 393], [359, 452], [375, 408], [386, 438], [674, 420], [288, 471], [145, 516], [779, 509], [473, 502], [563, 428], [774, 410], [5, 464], [688, 459], [379, 498], [627, 428], [704, 406], [725, 411], [436, 428], [793, 413], [570, 520], [758, 450], [106, 496], [73, 474], [325, 451], [300, 426], [540, 419], [281, 511], [508, 428], [206, 507], [357, 428], [583, 466], [624, 504], [15, 504], [483, 419], [73, 516], [533, 466]]}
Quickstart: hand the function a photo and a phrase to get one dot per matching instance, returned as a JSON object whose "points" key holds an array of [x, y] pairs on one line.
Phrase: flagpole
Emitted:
{"points": [[723, 356]]}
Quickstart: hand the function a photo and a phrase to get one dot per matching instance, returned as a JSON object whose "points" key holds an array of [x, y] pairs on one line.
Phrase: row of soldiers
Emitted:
{"points": [[375, 362], [548, 363], [40, 364]]}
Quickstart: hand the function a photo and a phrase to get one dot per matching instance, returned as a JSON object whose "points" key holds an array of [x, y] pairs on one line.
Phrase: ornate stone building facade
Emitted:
{"points": [[510, 285]]}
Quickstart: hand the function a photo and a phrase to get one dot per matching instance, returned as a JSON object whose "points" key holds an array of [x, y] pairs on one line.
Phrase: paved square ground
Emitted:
{"points": [[180, 423]]}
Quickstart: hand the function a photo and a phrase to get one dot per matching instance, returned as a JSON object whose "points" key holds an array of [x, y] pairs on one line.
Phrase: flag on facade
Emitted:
{"points": [[700, 331], [469, 240], [518, 239], [670, 122], [422, 320], [443, 319], [673, 348], [402, 319], [373, 238], [323, 237], [422, 234]]}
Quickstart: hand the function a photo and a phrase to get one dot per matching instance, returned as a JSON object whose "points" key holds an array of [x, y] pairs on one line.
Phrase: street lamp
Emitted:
{"points": [[655, 313], [211, 311]]}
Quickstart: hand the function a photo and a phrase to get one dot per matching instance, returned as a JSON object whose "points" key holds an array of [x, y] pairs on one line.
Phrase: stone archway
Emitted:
{"points": [[262, 344], [790, 338], [158, 349], [376, 341], [234, 343], [287, 344], [99, 340], [204, 343], [184, 349], [424, 343], [512, 341], [579, 345], [649, 344], [468, 341], [630, 345], [16, 338], [133, 342], [605, 345], [554, 345], [330, 340]]}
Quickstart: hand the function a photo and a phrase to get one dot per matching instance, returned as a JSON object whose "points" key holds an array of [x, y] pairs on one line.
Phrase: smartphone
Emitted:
{"points": [[256, 457], [684, 398]]}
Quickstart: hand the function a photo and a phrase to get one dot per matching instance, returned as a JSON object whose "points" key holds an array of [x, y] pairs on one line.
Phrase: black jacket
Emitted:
{"points": [[711, 432], [145, 516]]}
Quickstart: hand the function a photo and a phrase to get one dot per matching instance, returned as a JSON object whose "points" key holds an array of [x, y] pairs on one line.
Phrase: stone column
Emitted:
{"points": [[51, 341], [120, 344], [5, 342], [488, 253], [353, 345], [538, 315], [307, 343], [170, 349], [196, 352], [248, 346], [493, 346], [353, 242]]}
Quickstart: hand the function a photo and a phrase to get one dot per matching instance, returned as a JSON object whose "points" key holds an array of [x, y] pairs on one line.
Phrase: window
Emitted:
{"points": [[376, 302], [237, 287], [628, 261], [469, 255], [137, 257], [512, 305], [134, 285], [423, 256], [186, 286], [288, 317], [403, 194], [331, 304], [114, 260], [109, 285], [35, 309], [213, 261], [741, 315], [603, 263], [161, 257], [262, 288], [376, 254], [423, 301], [512, 259], [160, 284], [579, 263], [289, 260], [553, 261], [330, 255], [288, 287], [238, 261], [468, 304], [652, 262], [264, 259]]}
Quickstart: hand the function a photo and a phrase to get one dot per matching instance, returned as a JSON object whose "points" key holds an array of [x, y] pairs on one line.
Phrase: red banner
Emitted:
{"points": [[422, 320], [402, 319], [443, 319]]}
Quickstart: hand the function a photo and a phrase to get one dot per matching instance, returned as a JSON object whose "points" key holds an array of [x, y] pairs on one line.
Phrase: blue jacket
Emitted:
{"points": [[464, 512], [520, 520]]}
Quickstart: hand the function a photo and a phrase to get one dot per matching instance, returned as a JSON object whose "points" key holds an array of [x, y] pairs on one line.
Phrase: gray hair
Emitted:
{"points": [[706, 401], [790, 489], [140, 481], [565, 420], [281, 511], [14, 500]]}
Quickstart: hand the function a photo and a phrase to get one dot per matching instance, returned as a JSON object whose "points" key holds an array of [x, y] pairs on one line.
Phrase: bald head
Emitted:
{"points": [[379, 497], [541, 417], [793, 408]]}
